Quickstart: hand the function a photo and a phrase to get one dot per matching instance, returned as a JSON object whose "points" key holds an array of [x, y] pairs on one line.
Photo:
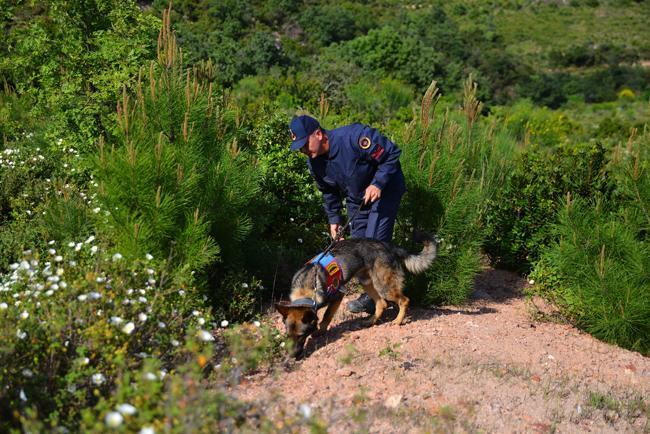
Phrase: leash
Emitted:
{"points": [[341, 230], [339, 234]]}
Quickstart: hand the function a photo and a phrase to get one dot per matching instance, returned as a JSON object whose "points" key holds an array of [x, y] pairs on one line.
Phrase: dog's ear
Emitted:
{"points": [[283, 308]]}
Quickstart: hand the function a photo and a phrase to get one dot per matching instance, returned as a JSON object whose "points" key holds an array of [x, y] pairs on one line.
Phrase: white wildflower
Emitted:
{"points": [[150, 271], [205, 336], [126, 409], [96, 210], [224, 323], [84, 361], [113, 419], [51, 251], [27, 373], [147, 430], [93, 249], [95, 295], [150, 376], [256, 323], [82, 297], [175, 343], [181, 292], [98, 379], [116, 320], [161, 325], [142, 317], [305, 410], [22, 395], [24, 315], [196, 313], [77, 247], [71, 244], [51, 243], [117, 257], [201, 321], [244, 285], [531, 282], [3, 306], [148, 256], [128, 328], [58, 258]]}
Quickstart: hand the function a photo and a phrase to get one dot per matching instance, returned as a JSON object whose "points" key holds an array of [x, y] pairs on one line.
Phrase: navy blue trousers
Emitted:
{"points": [[376, 221]]}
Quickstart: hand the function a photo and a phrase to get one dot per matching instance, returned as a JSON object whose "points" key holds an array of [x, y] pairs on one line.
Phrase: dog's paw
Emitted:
{"points": [[319, 332]]}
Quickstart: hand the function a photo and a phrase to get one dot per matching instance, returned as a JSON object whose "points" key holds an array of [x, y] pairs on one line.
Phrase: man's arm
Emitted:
{"points": [[332, 200], [378, 148]]}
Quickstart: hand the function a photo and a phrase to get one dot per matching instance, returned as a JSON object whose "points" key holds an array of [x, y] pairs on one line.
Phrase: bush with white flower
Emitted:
{"points": [[73, 321]]}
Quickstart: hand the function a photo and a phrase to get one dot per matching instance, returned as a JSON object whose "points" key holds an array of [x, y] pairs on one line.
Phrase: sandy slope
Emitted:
{"points": [[486, 366]]}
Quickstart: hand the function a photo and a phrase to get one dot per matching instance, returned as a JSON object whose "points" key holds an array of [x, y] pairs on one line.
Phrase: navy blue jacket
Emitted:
{"points": [[358, 156]]}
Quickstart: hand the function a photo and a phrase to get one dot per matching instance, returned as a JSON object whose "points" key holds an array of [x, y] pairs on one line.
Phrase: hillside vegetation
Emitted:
{"points": [[150, 207]]}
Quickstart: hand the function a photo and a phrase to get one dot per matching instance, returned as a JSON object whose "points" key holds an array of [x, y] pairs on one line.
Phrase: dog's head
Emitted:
{"points": [[299, 322]]}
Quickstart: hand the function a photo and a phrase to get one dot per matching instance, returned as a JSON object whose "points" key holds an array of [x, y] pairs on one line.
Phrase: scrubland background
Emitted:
{"points": [[150, 209]]}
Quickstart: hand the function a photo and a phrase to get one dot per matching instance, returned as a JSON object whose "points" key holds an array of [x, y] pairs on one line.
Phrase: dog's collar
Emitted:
{"points": [[305, 302]]}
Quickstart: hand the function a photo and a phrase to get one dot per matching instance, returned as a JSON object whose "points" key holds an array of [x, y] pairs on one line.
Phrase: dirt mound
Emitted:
{"points": [[484, 366]]}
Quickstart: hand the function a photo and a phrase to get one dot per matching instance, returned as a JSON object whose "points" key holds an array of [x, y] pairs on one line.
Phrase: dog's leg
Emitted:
{"points": [[380, 303], [332, 307], [389, 282], [403, 303]]}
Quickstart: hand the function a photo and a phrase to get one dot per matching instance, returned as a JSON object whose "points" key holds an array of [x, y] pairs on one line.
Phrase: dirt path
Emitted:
{"points": [[486, 366]]}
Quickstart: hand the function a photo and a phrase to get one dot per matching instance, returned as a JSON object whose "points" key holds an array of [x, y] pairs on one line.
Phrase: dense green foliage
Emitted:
{"points": [[148, 196], [521, 215]]}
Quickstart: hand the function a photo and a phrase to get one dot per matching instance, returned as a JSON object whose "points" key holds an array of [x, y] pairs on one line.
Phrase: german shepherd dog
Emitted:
{"points": [[377, 265]]}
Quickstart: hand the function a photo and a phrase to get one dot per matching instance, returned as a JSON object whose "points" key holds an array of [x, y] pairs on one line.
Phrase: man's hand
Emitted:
{"points": [[334, 228], [372, 194]]}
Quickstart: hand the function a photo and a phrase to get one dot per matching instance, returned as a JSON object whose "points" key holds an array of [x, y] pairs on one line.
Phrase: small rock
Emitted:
{"points": [[536, 378], [344, 372], [393, 401]]}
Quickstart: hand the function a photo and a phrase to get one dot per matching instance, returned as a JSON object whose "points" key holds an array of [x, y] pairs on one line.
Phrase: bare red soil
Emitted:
{"points": [[488, 366]]}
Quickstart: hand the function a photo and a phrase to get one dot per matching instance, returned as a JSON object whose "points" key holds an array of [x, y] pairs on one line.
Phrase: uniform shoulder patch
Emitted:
{"points": [[364, 142]]}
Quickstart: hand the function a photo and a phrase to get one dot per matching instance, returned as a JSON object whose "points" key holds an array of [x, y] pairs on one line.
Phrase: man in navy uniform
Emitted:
{"points": [[359, 164]]}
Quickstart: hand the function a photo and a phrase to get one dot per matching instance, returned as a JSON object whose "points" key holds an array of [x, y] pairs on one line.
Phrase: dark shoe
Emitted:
{"points": [[362, 304]]}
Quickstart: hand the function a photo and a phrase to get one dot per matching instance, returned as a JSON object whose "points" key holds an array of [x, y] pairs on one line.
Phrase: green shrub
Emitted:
{"points": [[175, 179], [520, 216], [452, 166], [599, 270], [39, 195], [537, 125], [72, 58], [74, 318]]}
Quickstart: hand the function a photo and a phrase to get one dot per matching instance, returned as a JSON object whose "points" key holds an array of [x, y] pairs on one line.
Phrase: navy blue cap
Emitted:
{"points": [[301, 127]]}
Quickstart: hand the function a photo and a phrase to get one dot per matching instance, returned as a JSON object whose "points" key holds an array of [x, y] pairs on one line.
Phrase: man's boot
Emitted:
{"points": [[362, 304]]}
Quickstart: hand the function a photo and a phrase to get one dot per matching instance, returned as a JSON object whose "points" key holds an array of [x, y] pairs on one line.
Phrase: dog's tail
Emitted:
{"points": [[417, 263]]}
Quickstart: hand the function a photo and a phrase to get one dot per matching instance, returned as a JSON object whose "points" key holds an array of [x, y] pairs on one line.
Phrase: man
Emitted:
{"points": [[358, 163]]}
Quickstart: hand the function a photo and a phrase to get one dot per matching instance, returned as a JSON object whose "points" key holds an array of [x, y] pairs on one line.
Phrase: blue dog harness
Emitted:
{"points": [[332, 270]]}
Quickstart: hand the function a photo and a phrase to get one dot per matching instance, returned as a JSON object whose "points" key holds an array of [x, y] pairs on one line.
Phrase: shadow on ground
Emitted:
{"points": [[490, 285]]}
